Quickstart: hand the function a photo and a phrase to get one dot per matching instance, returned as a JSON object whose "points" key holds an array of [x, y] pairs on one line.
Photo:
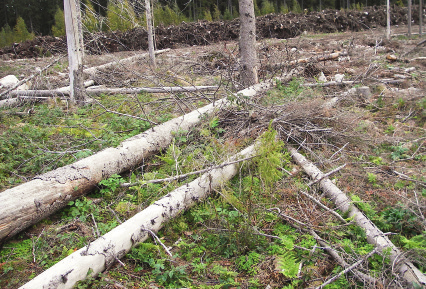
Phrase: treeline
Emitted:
{"points": [[22, 19]]}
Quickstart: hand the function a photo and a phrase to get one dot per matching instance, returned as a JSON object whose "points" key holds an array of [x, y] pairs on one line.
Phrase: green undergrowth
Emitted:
{"points": [[55, 135], [241, 235]]}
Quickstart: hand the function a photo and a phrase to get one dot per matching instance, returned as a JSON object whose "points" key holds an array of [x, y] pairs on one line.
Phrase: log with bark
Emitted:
{"points": [[30, 202], [374, 235], [103, 252]]}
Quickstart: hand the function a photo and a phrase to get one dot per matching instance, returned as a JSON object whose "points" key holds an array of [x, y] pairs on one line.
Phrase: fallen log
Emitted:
{"points": [[54, 92], [96, 91], [165, 89], [330, 56], [374, 236], [93, 70], [30, 202], [103, 252], [22, 96], [3, 94], [350, 82]]}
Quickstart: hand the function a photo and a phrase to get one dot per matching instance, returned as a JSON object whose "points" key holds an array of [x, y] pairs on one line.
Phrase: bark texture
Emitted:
{"points": [[30, 202], [104, 251], [75, 49], [374, 236], [249, 62], [150, 33]]}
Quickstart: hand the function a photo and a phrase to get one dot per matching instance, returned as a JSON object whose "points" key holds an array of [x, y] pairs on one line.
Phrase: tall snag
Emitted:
{"points": [[75, 49]]}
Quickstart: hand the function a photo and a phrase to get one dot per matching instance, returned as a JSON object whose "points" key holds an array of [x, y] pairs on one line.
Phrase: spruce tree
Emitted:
{"points": [[21, 32], [58, 29], [90, 18]]}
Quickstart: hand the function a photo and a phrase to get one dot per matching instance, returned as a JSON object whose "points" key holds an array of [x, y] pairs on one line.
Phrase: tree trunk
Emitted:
{"points": [[388, 31], [26, 204], [248, 66], [150, 33], [409, 18], [97, 90], [420, 17], [103, 252], [75, 49], [374, 236]]}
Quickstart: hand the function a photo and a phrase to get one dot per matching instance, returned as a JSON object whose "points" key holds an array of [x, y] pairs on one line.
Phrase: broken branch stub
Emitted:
{"points": [[103, 252], [374, 235], [26, 204]]}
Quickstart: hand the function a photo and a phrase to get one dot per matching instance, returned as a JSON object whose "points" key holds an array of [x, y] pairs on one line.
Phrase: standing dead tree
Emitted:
{"points": [[75, 49], [150, 33]]}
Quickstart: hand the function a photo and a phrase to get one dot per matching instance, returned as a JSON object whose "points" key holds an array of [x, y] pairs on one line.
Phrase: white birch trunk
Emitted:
{"points": [[75, 49], [103, 252], [374, 236], [248, 65], [150, 33], [31, 202]]}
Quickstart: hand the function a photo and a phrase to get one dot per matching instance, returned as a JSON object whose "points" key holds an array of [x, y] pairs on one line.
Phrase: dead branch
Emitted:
{"points": [[4, 93], [133, 90], [374, 236], [179, 177], [333, 253], [93, 70], [330, 56], [351, 267]]}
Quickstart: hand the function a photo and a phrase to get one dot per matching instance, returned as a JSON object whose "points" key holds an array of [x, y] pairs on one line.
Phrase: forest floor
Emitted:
{"points": [[244, 235]]}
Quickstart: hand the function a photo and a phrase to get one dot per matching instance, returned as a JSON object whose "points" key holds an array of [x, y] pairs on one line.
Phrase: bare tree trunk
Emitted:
{"points": [[420, 17], [26, 204], [388, 31], [248, 66], [96, 90], [150, 33], [374, 236], [103, 252], [409, 18], [75, 49]]}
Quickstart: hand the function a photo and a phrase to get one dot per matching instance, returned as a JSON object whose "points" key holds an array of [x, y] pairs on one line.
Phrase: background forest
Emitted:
{"points": [[22, 20]]}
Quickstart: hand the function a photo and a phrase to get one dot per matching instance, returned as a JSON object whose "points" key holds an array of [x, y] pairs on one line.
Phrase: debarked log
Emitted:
{"points": [[324, 57], [132, 90], [93, 70], [103, 252], [374, 235], [26, 204]]}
